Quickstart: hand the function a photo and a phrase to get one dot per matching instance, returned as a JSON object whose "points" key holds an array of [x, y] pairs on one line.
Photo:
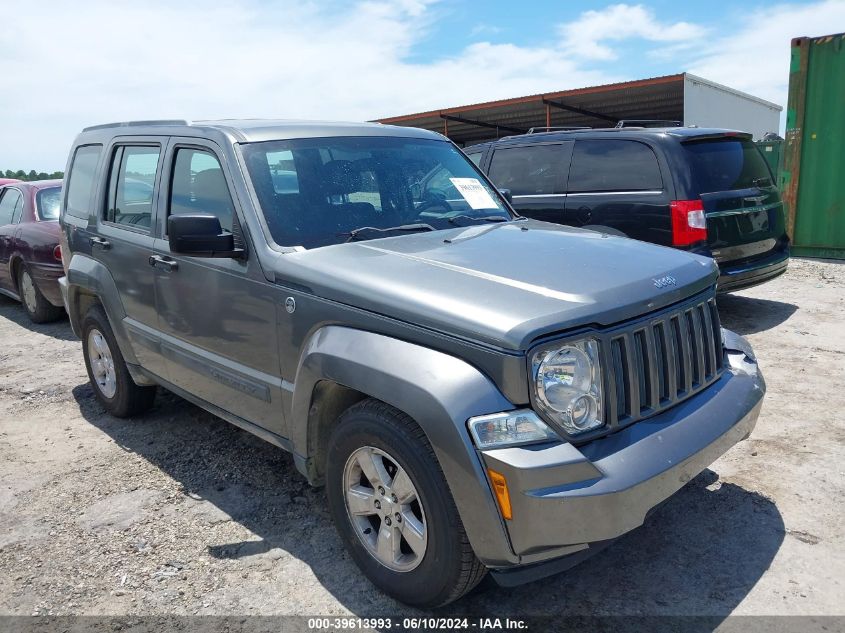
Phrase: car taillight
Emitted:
{"points": [[688, 222], [57, 253]]}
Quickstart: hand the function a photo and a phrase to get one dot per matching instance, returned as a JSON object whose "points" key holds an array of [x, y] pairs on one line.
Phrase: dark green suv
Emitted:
{"points": [[477, 391], [708, 191]]}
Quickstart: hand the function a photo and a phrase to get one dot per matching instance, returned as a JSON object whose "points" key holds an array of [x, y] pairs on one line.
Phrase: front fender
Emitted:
{"points": [[439, 391]]}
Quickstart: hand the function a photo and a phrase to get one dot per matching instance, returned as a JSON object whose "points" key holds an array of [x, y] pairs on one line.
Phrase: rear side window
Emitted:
{"points": [[11, 205], [81, 180], [727, 164], [47, 202], [527, 171], [131, 185], [611, 165], [198, 185]]}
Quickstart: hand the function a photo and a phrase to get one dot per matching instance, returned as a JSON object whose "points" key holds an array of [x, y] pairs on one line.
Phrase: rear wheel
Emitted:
{"points": [[36, 305], [393, 509], [107, 370]]}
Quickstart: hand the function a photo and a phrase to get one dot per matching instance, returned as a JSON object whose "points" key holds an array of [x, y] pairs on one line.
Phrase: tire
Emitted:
{"points": [[442, 566], [37, 308], [107, 371]]}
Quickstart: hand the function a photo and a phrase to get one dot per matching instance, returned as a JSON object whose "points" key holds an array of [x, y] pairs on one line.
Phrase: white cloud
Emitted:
{"points": [[755, 57], [76, 64], [85, 63], [584, 37]]}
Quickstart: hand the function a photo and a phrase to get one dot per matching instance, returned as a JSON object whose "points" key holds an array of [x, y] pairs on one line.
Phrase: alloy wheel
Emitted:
{"points": [[385, 509], [102, 364]]}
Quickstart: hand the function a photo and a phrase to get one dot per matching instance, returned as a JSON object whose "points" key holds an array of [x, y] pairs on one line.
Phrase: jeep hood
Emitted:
{"points": [[502, 284]]}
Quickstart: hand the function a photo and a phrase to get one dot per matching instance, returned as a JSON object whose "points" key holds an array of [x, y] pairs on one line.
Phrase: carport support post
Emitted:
{"points": [[446, 128], [548, 116]]}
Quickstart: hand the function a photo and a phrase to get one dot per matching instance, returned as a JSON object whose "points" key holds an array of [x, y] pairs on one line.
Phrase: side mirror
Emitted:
{"points": [[200, 235], [506, 194]]}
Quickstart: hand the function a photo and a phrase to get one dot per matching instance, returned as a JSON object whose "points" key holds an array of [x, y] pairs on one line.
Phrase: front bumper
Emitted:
{"points": [[566, 500], [738, 276]]}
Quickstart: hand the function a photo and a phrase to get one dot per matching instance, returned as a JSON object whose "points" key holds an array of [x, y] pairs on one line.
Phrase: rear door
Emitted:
{"points": [[744, 212], [536, 177], [617, 183], [124, 239]]}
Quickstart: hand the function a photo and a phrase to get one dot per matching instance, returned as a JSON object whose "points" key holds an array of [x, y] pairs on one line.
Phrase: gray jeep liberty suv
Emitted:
{"points": [[477, 391]]}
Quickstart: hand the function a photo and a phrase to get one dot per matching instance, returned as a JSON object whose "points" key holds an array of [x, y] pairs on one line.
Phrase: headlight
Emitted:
{"points": [[510, 428], [567, 385]]}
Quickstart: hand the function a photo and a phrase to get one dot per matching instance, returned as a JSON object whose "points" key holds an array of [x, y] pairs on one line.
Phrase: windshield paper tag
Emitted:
{"points": [[474, 193]]}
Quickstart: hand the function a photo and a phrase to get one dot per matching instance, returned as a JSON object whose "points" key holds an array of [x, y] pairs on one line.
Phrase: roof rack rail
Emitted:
{"points": [[648, 123], [556, 128], [105, 126]]}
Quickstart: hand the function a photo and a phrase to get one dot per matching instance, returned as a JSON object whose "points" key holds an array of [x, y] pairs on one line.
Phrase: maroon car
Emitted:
{"points": [[30, 257]]}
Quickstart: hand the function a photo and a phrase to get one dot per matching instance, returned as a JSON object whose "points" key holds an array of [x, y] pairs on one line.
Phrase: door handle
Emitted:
{"points": [[165, 264], [99, 241]]}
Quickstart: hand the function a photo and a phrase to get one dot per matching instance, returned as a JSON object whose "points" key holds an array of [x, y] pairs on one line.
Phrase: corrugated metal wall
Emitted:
{"points": [[814, 166]]}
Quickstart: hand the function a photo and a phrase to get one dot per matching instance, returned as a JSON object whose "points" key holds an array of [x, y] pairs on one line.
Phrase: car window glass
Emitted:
{"points": [[726, 165], [47, 202], [315, 192], [131, 184], [198, 185], [614, 165], [283, 172], [10, 205], [535, 170], [81, 180], [476, 158]]}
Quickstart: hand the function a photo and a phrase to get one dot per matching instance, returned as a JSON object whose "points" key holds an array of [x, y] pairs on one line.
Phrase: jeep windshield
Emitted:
{"points": [[321, 191]]}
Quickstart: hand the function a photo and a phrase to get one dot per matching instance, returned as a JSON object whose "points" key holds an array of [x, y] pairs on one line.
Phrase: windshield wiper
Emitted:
{"points": [[363, 231], [480, 218]]}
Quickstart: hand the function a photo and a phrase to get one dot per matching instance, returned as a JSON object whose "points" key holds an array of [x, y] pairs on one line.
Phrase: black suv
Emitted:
{"points": [[709, 191]]}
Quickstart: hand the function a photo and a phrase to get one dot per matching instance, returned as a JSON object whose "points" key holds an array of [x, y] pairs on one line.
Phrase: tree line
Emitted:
{"points": [[31, 174]]}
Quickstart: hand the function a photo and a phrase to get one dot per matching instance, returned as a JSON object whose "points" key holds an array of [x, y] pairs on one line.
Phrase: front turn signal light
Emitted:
{"points": [[500, 489]]}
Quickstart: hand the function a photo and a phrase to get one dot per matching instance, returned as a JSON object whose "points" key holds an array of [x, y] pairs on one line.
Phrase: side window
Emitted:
{"points": [[611, 165], [198, 185], [131, 184], [283, 172], [81, 180], [18, 209], [10, 206], [476, 158], [529, 171]]}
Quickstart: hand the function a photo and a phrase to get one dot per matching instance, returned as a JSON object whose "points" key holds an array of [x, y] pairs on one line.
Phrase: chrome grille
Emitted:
{"points": [[662, 360]]}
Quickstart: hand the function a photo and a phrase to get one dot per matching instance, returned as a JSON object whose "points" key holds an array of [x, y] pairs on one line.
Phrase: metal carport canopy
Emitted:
{"points": [[596, 106]]}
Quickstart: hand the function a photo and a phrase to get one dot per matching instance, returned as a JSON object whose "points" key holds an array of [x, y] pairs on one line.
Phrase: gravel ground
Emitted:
{"points": [[177, 512]]}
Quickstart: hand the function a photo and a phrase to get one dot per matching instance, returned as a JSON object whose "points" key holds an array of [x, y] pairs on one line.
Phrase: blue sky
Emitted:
{"points": [[95, 61]]}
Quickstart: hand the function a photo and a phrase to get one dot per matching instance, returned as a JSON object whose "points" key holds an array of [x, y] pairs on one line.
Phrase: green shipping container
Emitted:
{"points": [[814, 154]]}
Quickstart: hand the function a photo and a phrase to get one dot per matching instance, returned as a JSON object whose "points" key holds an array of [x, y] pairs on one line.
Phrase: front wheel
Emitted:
{"points": [[393, 509]]}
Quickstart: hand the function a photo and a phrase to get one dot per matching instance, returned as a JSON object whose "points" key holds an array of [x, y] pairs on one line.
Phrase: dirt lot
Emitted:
{"points": [[178, 512]]}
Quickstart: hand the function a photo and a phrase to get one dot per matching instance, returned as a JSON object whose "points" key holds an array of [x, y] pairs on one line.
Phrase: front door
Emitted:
{"points": [[217, 315], [535, 176]]}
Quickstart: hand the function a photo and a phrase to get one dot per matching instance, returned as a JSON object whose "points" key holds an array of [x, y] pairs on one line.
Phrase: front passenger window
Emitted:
{"points": [[198, 185]]}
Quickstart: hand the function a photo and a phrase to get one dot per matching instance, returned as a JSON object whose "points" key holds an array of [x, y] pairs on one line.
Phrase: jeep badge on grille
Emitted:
{"points": [[662, 282]]}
